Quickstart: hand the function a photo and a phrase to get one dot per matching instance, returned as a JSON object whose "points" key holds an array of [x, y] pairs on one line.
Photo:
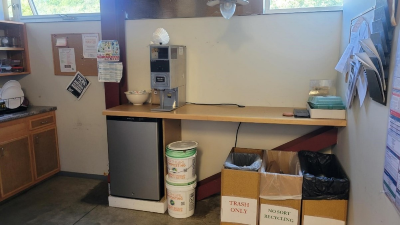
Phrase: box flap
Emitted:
{"points": [[279, 180], [333, 209], [275, 186], [239, 183]]}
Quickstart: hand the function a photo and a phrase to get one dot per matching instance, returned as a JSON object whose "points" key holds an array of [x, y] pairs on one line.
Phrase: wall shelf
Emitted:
{"points": [[13, 74], [16, 29], [11, 49]]}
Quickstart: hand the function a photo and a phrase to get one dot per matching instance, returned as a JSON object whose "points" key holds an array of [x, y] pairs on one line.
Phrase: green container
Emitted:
{"points": [[181, 149]]}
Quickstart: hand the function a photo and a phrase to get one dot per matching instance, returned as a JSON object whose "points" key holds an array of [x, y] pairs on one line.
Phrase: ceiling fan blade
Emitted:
{"points": [[213, 3]]}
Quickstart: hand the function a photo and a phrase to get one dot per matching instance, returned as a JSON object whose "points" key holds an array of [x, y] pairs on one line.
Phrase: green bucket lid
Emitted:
{"points": [[181, 149], [180, 154]]}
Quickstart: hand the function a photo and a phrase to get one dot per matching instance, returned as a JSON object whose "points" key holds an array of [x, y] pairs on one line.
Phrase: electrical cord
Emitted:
{"points": [[237, 131], [192, 103]]}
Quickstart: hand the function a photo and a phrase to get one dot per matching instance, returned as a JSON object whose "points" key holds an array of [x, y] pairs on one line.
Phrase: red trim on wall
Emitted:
{"points": [[315, 141], [113, 28]]}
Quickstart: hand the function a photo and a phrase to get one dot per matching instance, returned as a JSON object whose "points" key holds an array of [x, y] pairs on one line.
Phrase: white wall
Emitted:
{"points": [[254, 60], [361, 147], [82, 130], [269, 61]]}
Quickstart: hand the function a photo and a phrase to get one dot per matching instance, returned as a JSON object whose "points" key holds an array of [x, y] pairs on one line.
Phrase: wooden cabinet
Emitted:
{"points": [[45, 152], [28, 153], [17, 47], [15, 166]]}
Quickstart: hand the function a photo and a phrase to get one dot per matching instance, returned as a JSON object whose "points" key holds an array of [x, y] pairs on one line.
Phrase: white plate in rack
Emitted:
{"points": [[12, 96], [11, 83]]}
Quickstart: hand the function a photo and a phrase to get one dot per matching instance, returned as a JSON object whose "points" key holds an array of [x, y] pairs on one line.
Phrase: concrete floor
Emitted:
{"points": [[68, 200]]}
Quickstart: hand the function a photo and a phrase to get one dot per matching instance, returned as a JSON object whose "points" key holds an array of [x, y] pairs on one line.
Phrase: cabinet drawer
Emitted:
{"points": [[41, 122], [13, 129]]}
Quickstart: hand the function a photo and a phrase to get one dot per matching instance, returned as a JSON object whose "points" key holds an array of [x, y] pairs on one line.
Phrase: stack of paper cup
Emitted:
{"points": [[160, 36]]}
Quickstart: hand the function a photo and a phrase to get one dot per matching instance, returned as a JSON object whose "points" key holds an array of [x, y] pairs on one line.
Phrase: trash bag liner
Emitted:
{"points": [[323, 177], [243, 161]]}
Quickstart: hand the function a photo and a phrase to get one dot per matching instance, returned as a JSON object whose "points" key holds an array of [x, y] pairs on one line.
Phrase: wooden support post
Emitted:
{"points": [[113, 28]]}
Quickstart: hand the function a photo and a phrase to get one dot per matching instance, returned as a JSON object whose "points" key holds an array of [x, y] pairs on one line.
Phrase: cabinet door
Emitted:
{"points": [[15, 165], [46, 152]]}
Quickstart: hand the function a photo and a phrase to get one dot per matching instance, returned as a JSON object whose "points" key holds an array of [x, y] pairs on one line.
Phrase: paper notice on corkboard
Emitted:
{"points": [[67, 60]]}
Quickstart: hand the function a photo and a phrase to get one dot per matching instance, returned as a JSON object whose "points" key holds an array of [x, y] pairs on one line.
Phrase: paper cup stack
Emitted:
{"points": [[161, 37]]}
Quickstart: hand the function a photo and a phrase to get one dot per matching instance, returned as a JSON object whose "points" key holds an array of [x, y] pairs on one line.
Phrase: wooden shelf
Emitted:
{"points": [[11, 22], [18, 30], [249, 114], [13, 74], [11, 49]]}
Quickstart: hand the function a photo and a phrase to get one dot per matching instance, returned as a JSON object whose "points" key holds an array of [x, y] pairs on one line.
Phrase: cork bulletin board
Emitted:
{"points": [[87, 66]]}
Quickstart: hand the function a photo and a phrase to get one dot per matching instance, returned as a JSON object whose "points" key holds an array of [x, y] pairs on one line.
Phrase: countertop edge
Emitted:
{"points": [[230, 118], [31, 111]]}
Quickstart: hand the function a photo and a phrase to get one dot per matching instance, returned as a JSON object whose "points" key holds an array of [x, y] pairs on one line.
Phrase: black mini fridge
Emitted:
{"points": [[135, 152]]}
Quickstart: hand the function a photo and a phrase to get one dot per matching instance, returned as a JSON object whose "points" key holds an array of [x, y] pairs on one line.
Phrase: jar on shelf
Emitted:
{"points": [[5, 42]]}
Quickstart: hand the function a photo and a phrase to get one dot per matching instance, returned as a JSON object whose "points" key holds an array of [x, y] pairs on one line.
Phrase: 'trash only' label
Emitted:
{"points": [[239, 210]]}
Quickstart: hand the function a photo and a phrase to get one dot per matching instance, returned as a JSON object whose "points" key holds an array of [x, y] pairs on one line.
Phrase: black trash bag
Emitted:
{"points": [[323, 177], [243, 161]]}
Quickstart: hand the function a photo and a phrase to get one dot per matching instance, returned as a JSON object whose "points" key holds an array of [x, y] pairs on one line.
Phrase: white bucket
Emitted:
{"points": [[181, 161], [181, 197]]}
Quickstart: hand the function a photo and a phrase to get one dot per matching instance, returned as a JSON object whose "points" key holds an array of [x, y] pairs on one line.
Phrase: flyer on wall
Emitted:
{"points": [[78, 85], [391, 175]]}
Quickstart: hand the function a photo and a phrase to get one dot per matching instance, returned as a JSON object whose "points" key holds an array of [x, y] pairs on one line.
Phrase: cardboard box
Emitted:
{"points": [[326, 113], [240, 193], [324, 200], [280, 189], [332, 212]]}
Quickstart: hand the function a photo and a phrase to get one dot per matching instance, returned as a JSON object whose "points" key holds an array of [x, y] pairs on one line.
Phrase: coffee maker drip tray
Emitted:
{"points": [[164, 109]]}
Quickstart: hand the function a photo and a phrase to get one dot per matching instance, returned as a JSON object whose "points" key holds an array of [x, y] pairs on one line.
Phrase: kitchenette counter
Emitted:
{"points": [[248, 114], [32, 110]]}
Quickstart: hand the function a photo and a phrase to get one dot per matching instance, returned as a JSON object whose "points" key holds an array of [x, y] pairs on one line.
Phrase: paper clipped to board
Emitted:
{"points": [[67, 59], [89, 42], [108, 50], [109, 71], [61, 41]]}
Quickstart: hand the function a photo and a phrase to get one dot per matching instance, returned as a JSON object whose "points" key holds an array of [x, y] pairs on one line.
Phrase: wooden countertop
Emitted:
{"points": [[249, 114]]}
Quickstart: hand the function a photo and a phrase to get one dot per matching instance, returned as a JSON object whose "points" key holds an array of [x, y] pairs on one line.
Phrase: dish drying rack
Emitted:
{"points": [[5, 110]]}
